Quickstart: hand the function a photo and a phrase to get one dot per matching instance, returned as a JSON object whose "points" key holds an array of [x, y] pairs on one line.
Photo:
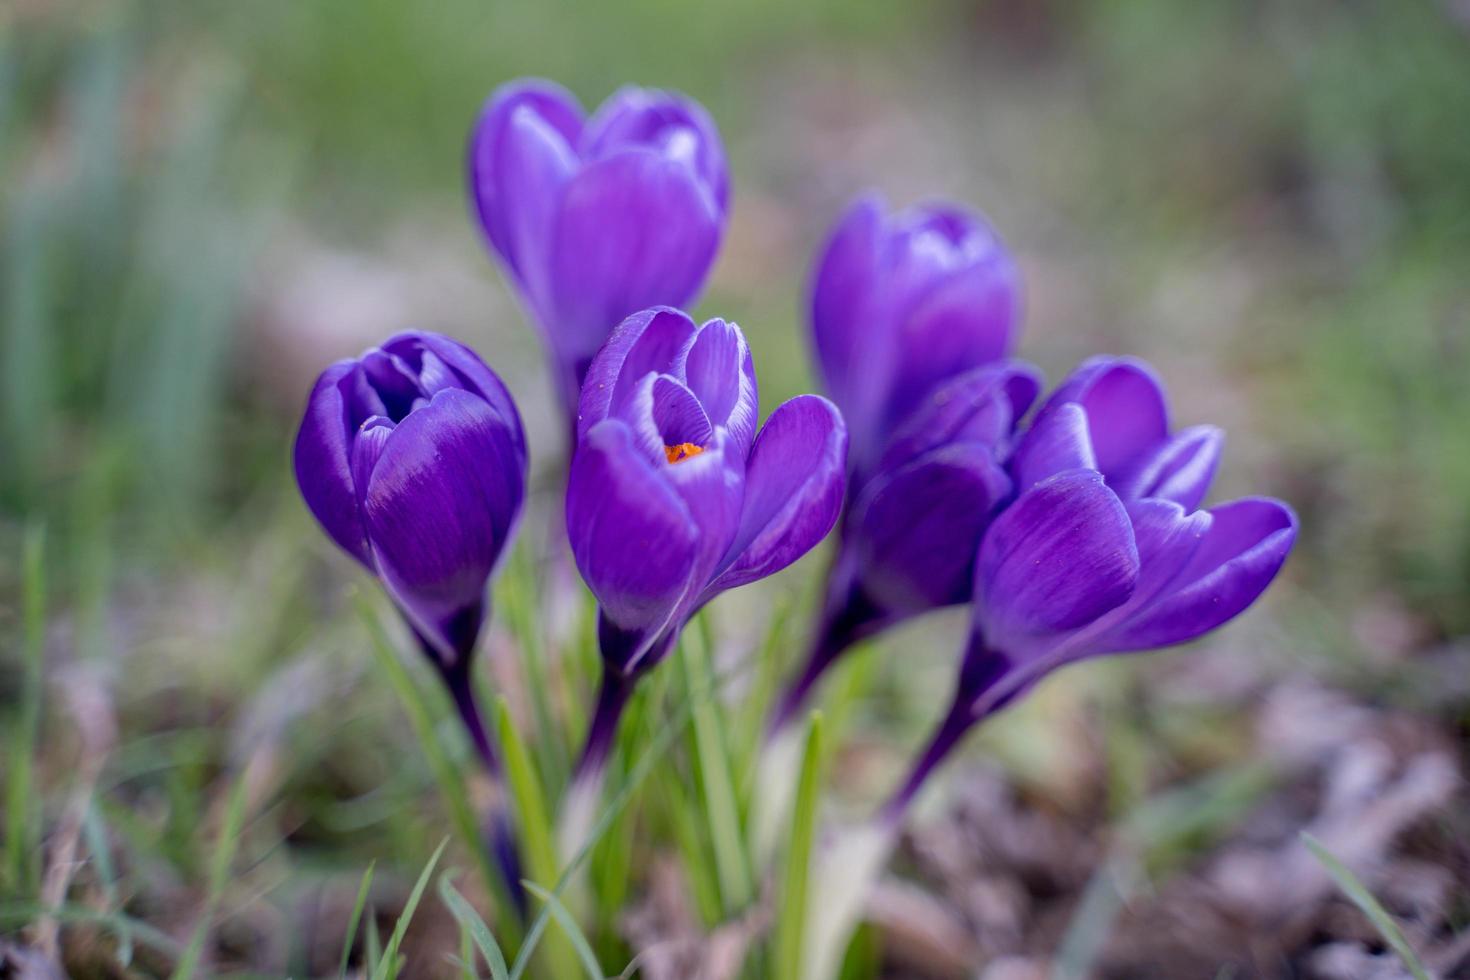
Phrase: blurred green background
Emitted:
{"points": [[202, 203]]}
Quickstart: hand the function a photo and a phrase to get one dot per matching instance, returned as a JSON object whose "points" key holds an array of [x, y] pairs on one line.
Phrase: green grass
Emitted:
{"points": [[1354, 889]]}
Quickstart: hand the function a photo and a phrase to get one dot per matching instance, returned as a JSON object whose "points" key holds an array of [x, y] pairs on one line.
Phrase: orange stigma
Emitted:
{"points": [[682, 451]]}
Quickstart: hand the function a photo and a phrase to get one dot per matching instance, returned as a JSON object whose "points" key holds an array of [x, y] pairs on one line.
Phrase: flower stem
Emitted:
{"points": [[944, 740], [461, 691], [847, 617], [584, 792], [499, 828], [611, 700]]}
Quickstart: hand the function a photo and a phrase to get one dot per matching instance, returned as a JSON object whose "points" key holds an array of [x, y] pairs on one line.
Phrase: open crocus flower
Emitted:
{"points": [[909, 537], [595, 219], [903, 303], [673, 497], [912, 315], [413, 460], [1104, 549]]}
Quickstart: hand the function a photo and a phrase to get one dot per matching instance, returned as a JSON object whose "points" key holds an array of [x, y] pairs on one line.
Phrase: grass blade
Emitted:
{"points": [[22, 841], [21, 913], [792, 912], [451, 785], [352, 923], [400, 928], [374, 944], [1354, 889], [470, 920], [96, 836], [717, 783], [219, 873], [651, 757], [531, 820], [518, 587], [574, 934]]}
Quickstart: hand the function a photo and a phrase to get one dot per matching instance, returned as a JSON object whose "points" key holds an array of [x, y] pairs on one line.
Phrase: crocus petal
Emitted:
{"points": [[1168, 536], [1126, 411], [1246, 545], [632, 536], [323, 461], [712, 486], [677, 126], [979, 406], [852, 350], [535, 165], [1180, 470], [491, 140], [1056, 442], [793, 491], [653, 341], [635, 229], [367, 448], [917, 528], [469, 372], [967, 319], [439, 508], [662, 412], [721, 373], [1058, 558]]}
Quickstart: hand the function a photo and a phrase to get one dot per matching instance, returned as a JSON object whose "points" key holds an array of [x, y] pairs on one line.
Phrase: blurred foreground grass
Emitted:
{"points": [[1271, 200]]}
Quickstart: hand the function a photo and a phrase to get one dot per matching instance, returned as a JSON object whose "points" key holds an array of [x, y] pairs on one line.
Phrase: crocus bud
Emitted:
{"points": [[674, 497], [1104, 551], [595, 219], [413, 460], [903, 303]]}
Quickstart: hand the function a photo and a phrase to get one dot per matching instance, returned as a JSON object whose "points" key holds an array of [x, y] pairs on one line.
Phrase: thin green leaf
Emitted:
{"points": [[400, 928], [768, 671], [466, 958], [569, 926], [374, 944], [531, 820], [792, 912], [22, 840], [683, 817], [219, 873], [651, 757], [518, 587], [478, 931], [1363, 899], [1093, 919], [451, 785], [717, 783], [20, 913], [352, 923], [96, 836]]}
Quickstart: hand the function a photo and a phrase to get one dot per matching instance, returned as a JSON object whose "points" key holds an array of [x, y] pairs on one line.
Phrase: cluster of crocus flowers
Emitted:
{"points": [[912, 315], [596, 219], [674, 497], [1077, 535], [1104, 549]]}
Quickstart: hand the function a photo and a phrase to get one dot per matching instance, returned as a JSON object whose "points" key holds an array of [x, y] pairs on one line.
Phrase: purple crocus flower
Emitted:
{"points": [[595, 219], [412, 459], [1104, 549], [903, 303], [674, 497], [912, 316], [910, 533]]}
